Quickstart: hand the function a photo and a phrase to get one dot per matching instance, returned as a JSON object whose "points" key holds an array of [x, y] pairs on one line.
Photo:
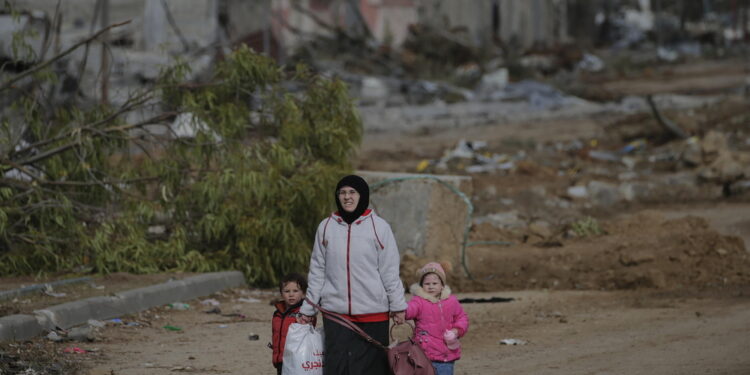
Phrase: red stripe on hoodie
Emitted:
{"points": [[348, 272]]}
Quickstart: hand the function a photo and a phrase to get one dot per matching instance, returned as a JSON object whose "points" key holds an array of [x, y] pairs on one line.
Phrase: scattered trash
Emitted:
{"points": [[604, 156], [210, 302], [172, 328], [133, 324], [179, 306], [590, 63], [667, 54], [75, 350], [223, 326], [215, 310], [638, 144], [50, 292], [116, 320], [235, 315], [512, 342], [53, 336], [253, 337], [248, 300], [485, 300]]}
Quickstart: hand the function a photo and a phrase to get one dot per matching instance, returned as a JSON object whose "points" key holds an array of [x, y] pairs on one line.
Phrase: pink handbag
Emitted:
{"points": [[404, 357]]}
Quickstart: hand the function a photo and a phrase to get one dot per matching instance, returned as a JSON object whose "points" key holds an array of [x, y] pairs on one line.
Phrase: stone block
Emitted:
{"points": [[19, 327], [428, 218]]}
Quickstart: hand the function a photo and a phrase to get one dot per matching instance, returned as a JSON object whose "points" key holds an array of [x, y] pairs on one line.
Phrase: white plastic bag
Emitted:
{"points": [[303, 350]]}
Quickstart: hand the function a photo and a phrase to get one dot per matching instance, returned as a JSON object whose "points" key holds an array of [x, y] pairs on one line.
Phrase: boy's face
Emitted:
{"points": [[432, 285], [291, 293]]}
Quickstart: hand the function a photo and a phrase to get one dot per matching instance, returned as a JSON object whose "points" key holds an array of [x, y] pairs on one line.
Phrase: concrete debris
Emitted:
{"points": [[504, 220], [493, 81], [725, 168], [540, 228], [578, 192], [590, 63], [373, 90]]}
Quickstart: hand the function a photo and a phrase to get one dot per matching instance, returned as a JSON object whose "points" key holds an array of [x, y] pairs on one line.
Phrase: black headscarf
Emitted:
{"points": [[357, 183]]}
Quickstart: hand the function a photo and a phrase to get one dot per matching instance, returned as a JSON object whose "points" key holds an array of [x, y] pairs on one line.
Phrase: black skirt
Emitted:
{"points": [[346, 353]]}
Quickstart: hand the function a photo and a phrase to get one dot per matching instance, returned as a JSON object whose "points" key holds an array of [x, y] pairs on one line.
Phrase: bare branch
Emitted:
{"points": [[120, 128], [125, 108], [665, 122], [170, 19], [9, 83]]}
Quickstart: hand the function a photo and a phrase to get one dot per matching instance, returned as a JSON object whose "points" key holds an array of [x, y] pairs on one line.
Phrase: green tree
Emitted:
{"points": [[83, 188]]}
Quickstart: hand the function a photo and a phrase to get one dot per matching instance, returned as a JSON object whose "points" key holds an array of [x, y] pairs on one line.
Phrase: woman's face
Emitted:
{"points": [[349, 198]]}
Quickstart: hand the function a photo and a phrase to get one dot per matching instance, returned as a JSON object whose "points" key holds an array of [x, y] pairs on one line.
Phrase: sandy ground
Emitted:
{"points": [[567, 332]]}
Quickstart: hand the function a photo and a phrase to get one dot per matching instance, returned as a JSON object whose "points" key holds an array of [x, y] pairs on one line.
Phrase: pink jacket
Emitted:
{"points": [[432, 317]]}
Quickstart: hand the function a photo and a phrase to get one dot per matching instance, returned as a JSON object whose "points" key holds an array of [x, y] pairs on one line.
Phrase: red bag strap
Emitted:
{"points": [[340, 319]]}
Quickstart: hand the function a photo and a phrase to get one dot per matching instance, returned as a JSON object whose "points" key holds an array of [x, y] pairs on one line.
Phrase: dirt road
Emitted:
{"points": [[567, 332]]}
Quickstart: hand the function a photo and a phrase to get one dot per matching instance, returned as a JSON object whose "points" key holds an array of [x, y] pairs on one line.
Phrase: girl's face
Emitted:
{"points": [[291, 293], [349, 198], [432, 285]]}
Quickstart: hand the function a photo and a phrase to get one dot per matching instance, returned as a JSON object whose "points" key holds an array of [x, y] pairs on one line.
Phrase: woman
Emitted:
{"points": [[354, 271]]}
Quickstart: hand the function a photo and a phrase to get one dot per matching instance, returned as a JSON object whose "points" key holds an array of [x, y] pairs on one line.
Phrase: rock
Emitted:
{"points": [[505, 220], [724, 168], [82, 333], [496, 80], [578, 192], [635, 258], [490, 191], [541, 229], [373, 90], [603, 193], [692, 154], [712, 144], [739, 187]]}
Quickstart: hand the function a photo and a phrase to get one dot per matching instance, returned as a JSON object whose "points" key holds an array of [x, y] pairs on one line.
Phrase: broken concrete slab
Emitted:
{"points": [[427, 214], [19, 327], [67, 315]]}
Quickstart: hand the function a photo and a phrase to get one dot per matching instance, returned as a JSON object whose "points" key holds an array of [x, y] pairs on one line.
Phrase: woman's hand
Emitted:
{"points": [[304, 319], [399, 317]]}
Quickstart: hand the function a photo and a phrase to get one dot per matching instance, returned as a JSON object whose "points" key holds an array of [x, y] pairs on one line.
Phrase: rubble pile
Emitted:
{"points": [[642, 251]]}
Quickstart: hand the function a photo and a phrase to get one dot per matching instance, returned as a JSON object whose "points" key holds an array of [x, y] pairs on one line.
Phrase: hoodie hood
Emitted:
{"points": [[360, 185], [417, 290]]}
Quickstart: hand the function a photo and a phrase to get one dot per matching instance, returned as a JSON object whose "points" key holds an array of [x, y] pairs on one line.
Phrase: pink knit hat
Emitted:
{"points": [[432, 267]]}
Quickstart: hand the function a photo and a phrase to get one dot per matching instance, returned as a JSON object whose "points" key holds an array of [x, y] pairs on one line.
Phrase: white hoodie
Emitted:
{"points": [[354, 269]]}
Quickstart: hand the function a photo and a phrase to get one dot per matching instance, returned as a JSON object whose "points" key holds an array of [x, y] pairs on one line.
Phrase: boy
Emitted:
{"points": [[292, 288]]}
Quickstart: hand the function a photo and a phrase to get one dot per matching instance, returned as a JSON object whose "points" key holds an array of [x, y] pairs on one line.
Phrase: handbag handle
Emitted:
{"points": [[413, 330], [340, 319]]}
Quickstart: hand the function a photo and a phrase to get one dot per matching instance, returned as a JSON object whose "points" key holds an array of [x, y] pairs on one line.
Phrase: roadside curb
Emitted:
{"points": [[66, 315]]}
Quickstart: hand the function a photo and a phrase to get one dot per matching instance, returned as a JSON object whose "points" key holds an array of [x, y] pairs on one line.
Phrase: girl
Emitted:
{"points": [[439, 319]]}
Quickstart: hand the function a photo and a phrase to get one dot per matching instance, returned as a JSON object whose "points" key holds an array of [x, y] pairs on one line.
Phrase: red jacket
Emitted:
{"points": [[280, 325]]}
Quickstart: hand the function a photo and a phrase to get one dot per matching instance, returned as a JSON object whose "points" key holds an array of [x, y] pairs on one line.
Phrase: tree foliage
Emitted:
{"points": [[84, 186]]}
